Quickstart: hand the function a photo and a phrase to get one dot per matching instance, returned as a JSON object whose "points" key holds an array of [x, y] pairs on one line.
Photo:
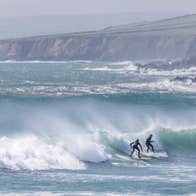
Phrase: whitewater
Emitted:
{"points": [[65, 128]]}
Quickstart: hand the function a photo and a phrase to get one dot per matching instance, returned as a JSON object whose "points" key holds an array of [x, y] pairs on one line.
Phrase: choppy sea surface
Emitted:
{"points": [[65, 129]]}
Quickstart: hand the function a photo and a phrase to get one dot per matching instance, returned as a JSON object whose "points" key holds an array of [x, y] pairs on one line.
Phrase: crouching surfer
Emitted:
{"points": [[136, 146], [149, 143]]}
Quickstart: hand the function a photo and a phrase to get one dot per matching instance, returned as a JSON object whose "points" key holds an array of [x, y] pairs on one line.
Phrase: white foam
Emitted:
{"points": [[159, 86], [155, 154], [86, 147], [164, 85], [29, 153], [105, 68], [119, 67], [33, 153], [122, 63]]}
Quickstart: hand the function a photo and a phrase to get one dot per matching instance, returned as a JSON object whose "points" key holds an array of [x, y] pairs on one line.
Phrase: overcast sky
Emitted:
{"points": [[73, 7]]}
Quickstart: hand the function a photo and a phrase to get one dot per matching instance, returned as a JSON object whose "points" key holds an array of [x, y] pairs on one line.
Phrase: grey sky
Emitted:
{"points": [[63, 16], [67, 7]]}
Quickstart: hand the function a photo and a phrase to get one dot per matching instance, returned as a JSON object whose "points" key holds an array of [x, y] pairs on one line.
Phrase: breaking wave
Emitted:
{"points": [[70, 134], [125, 67], [32, 153]]}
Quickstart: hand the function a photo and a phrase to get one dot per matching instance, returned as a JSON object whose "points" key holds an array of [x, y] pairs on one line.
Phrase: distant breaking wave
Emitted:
{"points": [[130, 67], [121, 67], [58, 91]]}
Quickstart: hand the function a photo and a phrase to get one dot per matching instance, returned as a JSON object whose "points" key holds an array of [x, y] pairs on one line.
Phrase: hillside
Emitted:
{"points": [[171, 38]]}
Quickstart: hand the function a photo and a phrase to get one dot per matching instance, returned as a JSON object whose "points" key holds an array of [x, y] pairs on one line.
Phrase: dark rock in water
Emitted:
{"points": [[191, 61], [170, 64], [161, 65], [184, 79]]}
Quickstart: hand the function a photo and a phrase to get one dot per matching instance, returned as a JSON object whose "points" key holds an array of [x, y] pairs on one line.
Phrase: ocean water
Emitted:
{"points": [[65, 129]]}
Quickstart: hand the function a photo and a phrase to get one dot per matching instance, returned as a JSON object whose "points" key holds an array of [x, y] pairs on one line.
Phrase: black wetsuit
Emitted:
{"points": [[148, 143], [135, 146]]}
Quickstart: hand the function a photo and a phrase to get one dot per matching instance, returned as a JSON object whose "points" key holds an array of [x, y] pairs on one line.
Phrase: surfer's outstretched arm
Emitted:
{"points": [[131, 144]]}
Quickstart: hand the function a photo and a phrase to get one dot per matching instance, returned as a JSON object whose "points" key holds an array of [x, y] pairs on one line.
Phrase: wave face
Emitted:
{"points": [[183, 140], [67, 115]]}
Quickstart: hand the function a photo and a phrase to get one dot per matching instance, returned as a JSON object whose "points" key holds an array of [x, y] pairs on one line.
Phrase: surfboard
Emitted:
{"points": [[141, 159], [154, 154], [135, 157], [124, 157]]}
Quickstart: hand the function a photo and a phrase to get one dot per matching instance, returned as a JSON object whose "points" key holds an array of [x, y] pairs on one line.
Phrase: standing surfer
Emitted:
{"points": [[148, 143], [136, 146]]}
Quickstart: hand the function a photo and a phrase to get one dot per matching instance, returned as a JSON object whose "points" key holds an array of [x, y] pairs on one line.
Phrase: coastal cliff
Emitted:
{"points": [[166, 39]]}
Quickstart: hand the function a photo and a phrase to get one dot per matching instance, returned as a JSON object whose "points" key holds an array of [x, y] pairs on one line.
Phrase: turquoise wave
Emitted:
{"points": [[178, 140], [168, 140]]}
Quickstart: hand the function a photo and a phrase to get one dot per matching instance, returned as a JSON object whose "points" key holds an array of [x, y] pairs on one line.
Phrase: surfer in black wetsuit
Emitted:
{"points": [[148, 143], [136, 146]]}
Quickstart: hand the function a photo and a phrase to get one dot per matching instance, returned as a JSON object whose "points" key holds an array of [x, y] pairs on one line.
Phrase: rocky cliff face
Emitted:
{"points": [[174, 38]]}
